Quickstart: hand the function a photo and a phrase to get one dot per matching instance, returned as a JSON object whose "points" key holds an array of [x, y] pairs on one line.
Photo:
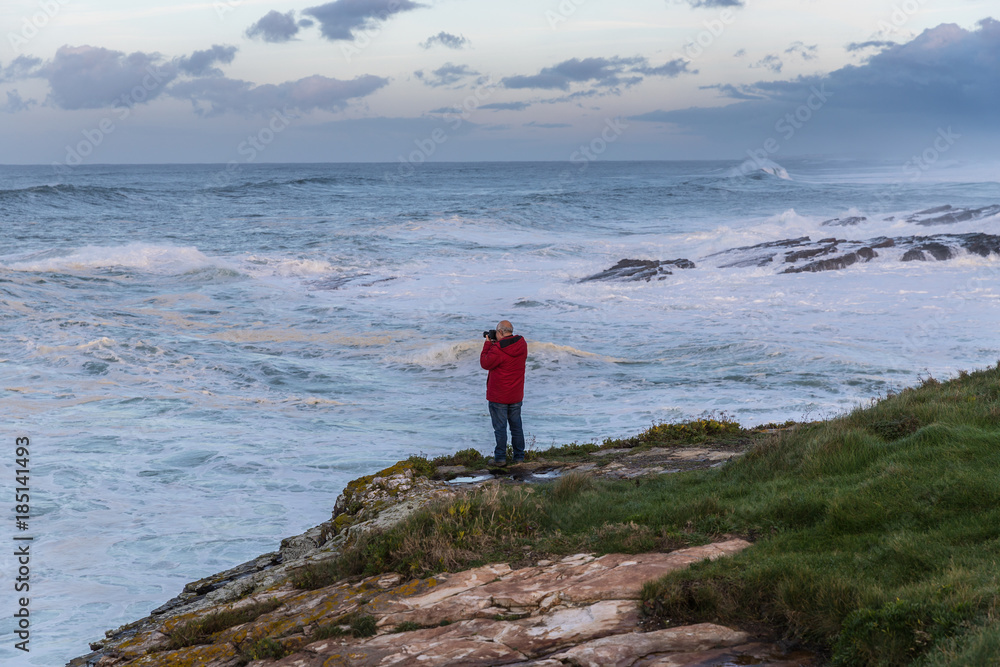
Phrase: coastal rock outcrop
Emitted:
{"points": [[641, 269], [577, 610], [827, 254], [949, 215], [492, 615]]}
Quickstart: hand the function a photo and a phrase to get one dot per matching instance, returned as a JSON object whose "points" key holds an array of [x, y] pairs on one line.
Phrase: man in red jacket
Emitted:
{"points": [[504, 359]]}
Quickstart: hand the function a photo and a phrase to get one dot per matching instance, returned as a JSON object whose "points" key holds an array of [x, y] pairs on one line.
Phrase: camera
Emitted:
{"points": [[491, 334]]}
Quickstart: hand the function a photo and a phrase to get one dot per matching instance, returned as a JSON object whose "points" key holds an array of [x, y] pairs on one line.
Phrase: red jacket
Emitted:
{"points": [[504, 360]]}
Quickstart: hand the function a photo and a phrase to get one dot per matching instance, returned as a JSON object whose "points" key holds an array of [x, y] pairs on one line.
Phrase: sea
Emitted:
{"points": [[202, 356]]}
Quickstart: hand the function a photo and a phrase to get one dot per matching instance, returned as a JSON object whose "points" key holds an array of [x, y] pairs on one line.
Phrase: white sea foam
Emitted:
{"points": [[142, 257], [234, 411]]}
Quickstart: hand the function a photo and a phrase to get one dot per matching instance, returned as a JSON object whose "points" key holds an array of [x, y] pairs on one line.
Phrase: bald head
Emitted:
{"points": [[505, 328]]}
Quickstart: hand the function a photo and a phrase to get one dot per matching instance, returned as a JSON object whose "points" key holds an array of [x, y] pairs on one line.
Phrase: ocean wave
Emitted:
{"points": [[141, 257], [258, 336], [468, 351], [62, 191], [760, 169], [251, 186]]}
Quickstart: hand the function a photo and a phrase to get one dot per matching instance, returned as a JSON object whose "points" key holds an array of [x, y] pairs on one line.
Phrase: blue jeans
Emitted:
{"points": [[501, 414]]}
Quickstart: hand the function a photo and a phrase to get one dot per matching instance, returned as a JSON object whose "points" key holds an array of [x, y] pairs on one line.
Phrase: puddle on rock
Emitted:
{"points": [[470, 479]]}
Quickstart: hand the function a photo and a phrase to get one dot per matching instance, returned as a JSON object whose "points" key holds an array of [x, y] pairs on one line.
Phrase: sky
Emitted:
{"points": [[217, 81]]}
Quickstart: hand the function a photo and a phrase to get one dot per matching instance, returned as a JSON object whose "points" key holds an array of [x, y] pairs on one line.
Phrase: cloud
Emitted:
{"points": [[200, 63], [602, 72], [447, 40], [446, 75], [771, 62], [90, 77], [275, 27], [547, 126], [21, 67], [506, 106], [802, 50], [740, 92], [740, 53], [945, 77], [871, 44], [16, 103], [215, 96], [341, 18], [716, 3]]}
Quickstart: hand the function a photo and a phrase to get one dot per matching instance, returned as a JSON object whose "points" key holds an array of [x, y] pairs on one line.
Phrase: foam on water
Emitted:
{"points": [[202, 381], [144, 257]]}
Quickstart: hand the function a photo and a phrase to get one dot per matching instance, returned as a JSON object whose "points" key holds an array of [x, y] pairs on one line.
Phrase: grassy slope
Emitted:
{"points": [[877, 533], [880, 532]]}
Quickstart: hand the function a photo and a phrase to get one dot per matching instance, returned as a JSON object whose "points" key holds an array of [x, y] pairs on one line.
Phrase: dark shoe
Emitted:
{"points": [[499, 464], [518, 461]]}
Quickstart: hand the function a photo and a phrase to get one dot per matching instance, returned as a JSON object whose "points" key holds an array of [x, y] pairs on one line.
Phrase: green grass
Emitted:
{"points": [[354, 625], [716, 429], [877, 533], [263, 648], [721, 430], [202, 630]]}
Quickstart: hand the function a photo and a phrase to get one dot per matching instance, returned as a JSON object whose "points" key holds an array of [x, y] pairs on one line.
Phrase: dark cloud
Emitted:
{"points": [[446, 39], [200, 63], [945, 77], [716, 3], [506, 106], [90, 77], [804, 51], [735, 92], [341, 18], [871, 44], [446, 75], [21, 67], [771, 62], [601, 72], [16, 103], [214, 96], [275, 27]]}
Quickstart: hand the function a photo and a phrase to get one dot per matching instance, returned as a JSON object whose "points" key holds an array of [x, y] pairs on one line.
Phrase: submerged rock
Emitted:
{"points": [[948, 215], [983, 245], [864, 254], [844, 222], [641, 269], [938, 251]]}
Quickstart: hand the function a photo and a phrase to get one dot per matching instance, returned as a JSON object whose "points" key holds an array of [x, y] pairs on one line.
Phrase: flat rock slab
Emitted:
{"points": [[582, 605], [626, 650], [578, 579]]}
